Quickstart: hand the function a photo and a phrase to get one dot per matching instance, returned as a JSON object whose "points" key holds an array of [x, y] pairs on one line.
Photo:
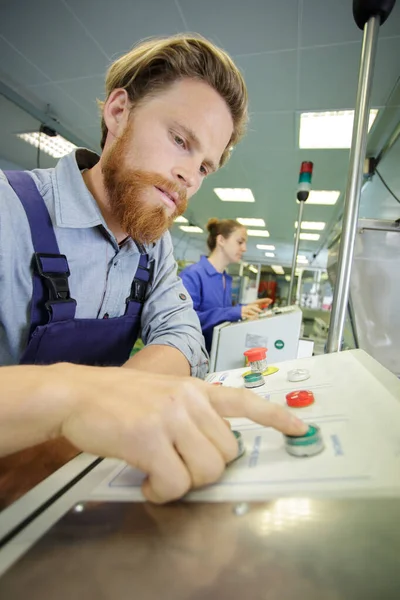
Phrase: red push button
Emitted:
{"points": [[300, 399], [256, 354]]}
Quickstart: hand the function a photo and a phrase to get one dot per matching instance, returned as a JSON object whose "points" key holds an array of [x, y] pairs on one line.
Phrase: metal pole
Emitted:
{"points": [[354, 181], [258, 277], [299, 283], [295, 251]]}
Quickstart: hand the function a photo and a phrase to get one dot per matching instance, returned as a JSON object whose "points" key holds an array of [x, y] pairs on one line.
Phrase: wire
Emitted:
{"points": [[386, 186]]}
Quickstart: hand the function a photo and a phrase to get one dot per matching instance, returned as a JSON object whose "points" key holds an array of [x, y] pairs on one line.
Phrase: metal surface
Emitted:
{"points": [[375, 290], [389, 145], [377, 225], [295, 252], [283, 550], [354, 182]]}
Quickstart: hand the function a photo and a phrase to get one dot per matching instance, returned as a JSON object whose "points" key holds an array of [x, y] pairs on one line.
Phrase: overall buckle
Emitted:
{"points": [[55, 271]]}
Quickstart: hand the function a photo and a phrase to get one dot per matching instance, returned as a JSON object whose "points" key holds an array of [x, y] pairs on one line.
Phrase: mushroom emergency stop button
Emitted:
{"points": [[300, 398]]}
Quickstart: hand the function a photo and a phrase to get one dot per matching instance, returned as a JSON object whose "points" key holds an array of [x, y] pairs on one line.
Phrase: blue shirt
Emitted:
{"points": [[211, 292], [101, 271]]}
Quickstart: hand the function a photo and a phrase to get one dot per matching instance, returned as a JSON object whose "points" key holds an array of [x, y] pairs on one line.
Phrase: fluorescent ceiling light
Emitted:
{"points": [[258, 232], [315, 225], [265, 247], [270, 254], [312, 237], [302, 260], [234, 194], [329, 129], [278, 269], [325, 197], [191, 229], [251, 222], [181, 220], [56, 146], [253, 269]]}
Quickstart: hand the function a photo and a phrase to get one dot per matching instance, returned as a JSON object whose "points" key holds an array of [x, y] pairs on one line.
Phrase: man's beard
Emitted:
{"points": [[127, 189]]}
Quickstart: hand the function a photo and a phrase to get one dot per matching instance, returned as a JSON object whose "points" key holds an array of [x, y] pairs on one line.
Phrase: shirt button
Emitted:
{"points": [[116, 263]]}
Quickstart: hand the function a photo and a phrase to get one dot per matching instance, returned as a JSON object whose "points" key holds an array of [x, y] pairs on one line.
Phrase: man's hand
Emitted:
{"points": [[170, 428]]}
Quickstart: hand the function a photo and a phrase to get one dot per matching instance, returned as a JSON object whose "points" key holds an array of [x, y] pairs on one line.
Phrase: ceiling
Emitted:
{"points": [[296, 55]]}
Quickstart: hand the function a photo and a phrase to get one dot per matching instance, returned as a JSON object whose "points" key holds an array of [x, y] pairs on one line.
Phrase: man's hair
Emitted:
{"points": [[224, 227], [155, 64]]}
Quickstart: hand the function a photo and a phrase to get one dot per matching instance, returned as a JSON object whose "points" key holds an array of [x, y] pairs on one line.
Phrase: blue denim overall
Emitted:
{"points": [[55, 334]]}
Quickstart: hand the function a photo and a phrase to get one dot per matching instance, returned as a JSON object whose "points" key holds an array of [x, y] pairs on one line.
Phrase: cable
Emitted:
{"points": [[386, 186]]}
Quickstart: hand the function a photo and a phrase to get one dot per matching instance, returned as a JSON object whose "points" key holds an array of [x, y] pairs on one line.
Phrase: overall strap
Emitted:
{"points": [[50, 268], [142, 278]]}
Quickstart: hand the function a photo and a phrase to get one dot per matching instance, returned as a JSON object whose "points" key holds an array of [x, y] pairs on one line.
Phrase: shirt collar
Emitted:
{"points": [[209, 268], [74, 205]]}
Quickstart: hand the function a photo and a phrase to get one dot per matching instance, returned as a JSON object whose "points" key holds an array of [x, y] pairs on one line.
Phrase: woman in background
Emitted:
{"points": [[210, 286]]}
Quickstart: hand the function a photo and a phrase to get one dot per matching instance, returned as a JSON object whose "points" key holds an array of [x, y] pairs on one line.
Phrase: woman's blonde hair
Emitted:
{"points": [[154, 64]]}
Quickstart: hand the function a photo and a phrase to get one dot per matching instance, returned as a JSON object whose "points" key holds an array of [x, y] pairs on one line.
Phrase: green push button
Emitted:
{"points": [[309, 444]]}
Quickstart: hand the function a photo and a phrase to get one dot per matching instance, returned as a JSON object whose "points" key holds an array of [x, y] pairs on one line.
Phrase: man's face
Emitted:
{"points": [[172, 141]]}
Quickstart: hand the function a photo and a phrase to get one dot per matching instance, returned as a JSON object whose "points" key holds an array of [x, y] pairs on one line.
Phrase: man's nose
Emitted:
{"points": [[187, 177]]}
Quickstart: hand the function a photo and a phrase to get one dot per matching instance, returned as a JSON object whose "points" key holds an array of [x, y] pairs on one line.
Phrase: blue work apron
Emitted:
{"points": [[55, 334]]}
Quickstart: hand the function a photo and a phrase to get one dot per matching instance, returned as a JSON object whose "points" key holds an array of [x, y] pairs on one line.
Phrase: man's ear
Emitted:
{"points": [[116, 111]]}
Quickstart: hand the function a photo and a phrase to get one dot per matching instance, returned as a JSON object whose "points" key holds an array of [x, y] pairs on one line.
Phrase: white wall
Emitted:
{"points": [[6, 164]]}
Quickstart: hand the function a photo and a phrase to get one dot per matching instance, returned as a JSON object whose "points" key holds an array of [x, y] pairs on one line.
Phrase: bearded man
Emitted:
{"points": [[86, 259]]}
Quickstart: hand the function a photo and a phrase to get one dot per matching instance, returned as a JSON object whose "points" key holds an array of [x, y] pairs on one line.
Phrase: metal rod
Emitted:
{"points": [[299, 284], [295, 251], [353, 189], [258, 277]]}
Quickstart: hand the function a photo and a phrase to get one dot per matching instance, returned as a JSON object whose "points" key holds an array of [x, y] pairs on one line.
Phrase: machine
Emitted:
{"points": [[278, 330]]}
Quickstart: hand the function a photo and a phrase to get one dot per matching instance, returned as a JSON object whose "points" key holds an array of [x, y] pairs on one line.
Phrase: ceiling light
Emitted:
{"points": [[265, 247], [191, 229], [258, 232], [326, 197], [312, 237], [287, 277], [302, 260], [329, 129], [234, 194], [251, 222], [56, 146], [181, 220], [253, 269], [316, 225], [278, 269], [270, 254]]}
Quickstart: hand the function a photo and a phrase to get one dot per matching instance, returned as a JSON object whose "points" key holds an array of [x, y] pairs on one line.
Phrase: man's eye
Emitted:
{"points": [[204, 170], [179, 141]]}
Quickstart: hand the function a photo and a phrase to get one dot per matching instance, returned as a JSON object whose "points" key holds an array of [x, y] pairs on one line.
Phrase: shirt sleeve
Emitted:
{"points": [[168, 317], [212, 316], [15, 275]]}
